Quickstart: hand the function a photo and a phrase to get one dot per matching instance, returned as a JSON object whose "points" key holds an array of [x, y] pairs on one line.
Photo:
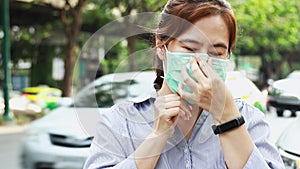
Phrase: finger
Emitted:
{"points": [[203, 66], [168, 98], [188, 111], [182, 114], [191, 83], [170, 113], [183, 94], [209, 69], [198, 74], [185, 109], [172, 104]]}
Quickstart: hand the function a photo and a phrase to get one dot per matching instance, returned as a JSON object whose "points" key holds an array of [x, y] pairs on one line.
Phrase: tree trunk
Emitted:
{"points": [[70, 60], [289, 62], [72, 30], [266, 71], [131, 45], [278, 70]]}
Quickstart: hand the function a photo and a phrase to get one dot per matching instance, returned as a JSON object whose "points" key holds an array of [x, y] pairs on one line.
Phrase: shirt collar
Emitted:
{"points": [[145, 96]]}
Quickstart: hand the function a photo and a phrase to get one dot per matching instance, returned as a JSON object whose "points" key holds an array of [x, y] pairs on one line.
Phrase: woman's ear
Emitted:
{"points": [[160, 51]]}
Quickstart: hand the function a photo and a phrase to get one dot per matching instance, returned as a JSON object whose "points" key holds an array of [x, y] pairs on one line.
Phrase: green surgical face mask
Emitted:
{"points": [[176, 61]]}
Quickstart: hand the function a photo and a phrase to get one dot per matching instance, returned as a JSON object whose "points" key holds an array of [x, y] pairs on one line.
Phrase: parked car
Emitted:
{"points": [[43, 95], [294, 75], [61, 139], [243, 88], [288, 145], [284, 94], [34, 100]]}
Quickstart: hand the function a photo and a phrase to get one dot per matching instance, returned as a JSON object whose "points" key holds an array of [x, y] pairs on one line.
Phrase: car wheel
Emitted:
{"points": [[293, 114], [279, 113]]}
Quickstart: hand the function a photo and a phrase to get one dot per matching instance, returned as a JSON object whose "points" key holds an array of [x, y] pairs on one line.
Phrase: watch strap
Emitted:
{"points": [[219, 129]]}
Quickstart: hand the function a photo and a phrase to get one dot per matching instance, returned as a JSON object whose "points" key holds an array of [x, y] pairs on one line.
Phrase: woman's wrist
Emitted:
{"points": [[230, 112], [159, 136]]}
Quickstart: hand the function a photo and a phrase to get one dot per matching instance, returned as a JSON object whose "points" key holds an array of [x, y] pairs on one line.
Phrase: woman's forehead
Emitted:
{"points": [[211, 30]]}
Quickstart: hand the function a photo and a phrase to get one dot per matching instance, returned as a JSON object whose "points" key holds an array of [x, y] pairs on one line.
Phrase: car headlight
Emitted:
{"points": [[290, 160]]}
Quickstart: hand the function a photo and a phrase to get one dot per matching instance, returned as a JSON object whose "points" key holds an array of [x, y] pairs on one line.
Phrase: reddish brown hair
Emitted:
{"points": [[177, 17]]}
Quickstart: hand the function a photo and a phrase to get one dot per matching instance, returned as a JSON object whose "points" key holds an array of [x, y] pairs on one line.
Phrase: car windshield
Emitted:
{"points": [[107, 92]]}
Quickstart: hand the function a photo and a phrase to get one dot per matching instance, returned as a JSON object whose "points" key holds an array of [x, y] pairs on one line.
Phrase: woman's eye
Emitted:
{"points": [[217, 54], [213, 54], [190, 49]]}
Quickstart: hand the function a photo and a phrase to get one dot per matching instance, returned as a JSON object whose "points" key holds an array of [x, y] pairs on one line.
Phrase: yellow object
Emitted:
{"points": [[298, 164], [42, 95]]}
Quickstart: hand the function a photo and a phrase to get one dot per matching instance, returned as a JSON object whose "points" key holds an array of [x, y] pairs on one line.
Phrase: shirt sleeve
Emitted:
{"points": [[107, 150], [264, 154]]}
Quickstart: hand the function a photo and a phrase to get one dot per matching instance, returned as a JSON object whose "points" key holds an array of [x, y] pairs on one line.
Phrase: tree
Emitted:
{"points": [[71, 17], [268, 29], [127, 7]]}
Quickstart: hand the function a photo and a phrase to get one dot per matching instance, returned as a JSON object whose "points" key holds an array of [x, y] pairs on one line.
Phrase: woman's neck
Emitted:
{"points": [[186, 126]]}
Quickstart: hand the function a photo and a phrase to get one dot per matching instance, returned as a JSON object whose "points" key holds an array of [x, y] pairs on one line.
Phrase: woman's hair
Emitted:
{"points": [[176, 15]]}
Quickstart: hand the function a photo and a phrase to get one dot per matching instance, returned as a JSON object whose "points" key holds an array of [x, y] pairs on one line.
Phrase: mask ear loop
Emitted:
{"points": [[164, 69]]}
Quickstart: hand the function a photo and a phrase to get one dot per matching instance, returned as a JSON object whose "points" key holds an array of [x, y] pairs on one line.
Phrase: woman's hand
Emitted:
{"points": [[167, 109], [209, 91]]}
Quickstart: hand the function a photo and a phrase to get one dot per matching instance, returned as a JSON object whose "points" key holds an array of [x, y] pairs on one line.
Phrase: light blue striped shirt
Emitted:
{"points": [[125, 127]]}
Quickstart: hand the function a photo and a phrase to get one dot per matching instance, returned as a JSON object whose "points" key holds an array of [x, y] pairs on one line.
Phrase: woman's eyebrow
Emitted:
{"points": [[188, 40], [222, 45], [195, 42]]}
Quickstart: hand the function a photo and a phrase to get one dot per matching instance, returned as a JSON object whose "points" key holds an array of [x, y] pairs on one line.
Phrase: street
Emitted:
{"points": [[10, 146], [278, 124], [10, 139]]}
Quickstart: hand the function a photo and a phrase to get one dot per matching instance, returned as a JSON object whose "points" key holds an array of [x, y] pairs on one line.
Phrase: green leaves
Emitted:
{"points": [[267, 27]]}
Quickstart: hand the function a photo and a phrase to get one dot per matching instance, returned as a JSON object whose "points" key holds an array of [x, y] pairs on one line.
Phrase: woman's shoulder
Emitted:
{"points": [[118, 112], [127, 111], [250, 113]]}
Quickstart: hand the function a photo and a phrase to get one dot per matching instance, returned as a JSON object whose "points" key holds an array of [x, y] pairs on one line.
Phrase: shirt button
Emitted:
{"points": [[186, 150], [187, 165]]}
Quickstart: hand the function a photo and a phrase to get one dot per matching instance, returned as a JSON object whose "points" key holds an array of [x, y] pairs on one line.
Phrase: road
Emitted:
{"points": [[278, 124], [10, 146], [10, 140]]}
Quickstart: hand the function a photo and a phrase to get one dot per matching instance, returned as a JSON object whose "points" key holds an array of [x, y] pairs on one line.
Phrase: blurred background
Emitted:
{"points": [[44, 74]]}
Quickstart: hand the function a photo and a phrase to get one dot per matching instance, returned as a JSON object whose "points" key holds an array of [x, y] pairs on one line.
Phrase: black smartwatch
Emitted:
{"points": [[228, 125]]}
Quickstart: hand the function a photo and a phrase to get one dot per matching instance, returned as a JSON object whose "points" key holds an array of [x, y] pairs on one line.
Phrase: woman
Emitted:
{"points": [[172, 128]]}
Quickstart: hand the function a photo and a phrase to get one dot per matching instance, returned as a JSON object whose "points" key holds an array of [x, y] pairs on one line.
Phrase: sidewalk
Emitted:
{"points": [[12, 129]]}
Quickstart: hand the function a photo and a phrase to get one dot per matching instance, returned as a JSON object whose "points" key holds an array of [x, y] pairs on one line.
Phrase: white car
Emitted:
{"points": [[243, 88], [288, 145], [62, 138], [284, 94]]}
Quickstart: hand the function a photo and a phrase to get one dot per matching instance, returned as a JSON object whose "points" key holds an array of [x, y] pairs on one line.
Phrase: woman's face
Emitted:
{"points": [[208, 35]]}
